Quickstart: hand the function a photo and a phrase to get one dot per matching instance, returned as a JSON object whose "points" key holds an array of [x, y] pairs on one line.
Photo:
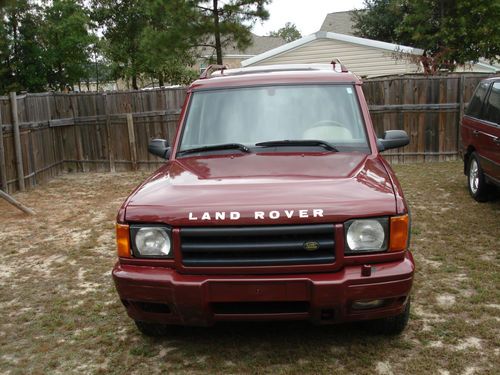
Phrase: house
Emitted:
{"points": [[364, 57], [342, 23]]}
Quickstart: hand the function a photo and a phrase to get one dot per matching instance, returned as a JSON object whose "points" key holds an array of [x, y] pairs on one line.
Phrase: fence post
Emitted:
{"points": [[16, 204], [17, 141], [131, 140], [111, 154], [3, 167], [78, 136]]}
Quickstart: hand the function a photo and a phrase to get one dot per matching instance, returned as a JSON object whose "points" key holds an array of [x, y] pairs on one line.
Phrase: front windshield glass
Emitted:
{"points": [[247, 116]]}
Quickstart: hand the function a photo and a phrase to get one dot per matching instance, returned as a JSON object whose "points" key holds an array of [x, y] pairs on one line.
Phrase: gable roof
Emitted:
{"points": [[339, 22], [259, 45], [334, 36]]}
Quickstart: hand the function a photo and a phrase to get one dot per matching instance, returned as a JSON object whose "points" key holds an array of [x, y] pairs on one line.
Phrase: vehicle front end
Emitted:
{"points": [[272, 206]]}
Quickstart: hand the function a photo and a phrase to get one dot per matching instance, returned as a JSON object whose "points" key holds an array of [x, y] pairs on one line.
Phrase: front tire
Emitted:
{"points": [[478, 188], [393, 325], [152, 329]]}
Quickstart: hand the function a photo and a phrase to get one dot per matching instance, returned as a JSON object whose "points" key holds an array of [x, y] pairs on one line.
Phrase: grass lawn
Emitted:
{"points": [[61, 315]]}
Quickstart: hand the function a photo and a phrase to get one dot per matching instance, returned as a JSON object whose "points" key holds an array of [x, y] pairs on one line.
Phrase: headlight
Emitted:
{"points": [[366, 235], [151, 241]]}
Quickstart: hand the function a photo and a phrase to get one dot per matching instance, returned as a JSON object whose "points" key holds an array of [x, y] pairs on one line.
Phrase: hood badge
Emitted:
{"points": [[256, 215], [311, 245]]}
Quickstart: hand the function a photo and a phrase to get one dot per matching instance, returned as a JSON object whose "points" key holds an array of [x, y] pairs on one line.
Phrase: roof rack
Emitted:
{"points": [[336, 62], [207, 73], [223, 70]]}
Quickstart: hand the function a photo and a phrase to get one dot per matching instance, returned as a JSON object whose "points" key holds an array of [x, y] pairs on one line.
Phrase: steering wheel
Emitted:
{"points": [[326, 123], [327, 129]]}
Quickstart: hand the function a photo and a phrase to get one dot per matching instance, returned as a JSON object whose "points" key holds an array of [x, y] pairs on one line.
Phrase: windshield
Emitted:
{"points": [[247, 116]]}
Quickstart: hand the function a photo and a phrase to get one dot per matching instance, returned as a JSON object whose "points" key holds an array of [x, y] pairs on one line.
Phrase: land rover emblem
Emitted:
{"points": [[311, 245]]}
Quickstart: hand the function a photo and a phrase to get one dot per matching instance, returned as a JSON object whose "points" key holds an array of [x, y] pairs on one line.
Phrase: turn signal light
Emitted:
{"points": [[399, 233], [123, 240]]}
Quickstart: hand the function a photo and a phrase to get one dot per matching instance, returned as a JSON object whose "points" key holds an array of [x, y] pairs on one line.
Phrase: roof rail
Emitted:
{"points": [[336, 62], [212, 68]]}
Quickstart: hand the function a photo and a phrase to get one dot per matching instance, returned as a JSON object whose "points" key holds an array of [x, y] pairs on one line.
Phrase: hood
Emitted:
{"points": [[254, 189]]}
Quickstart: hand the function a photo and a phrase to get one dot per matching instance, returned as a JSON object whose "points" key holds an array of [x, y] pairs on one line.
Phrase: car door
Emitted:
{"points": [[491, 132], [472, 125]]}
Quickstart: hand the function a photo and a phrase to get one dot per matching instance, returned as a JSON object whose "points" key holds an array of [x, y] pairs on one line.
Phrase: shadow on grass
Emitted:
{"points": [[277, 348], [275, 343]]}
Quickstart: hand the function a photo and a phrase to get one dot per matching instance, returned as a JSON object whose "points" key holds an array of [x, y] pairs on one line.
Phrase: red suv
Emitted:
{"points": [[274, 204], [480, 132]]}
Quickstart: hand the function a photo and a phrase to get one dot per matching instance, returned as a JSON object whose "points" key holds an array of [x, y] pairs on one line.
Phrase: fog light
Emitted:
{"points": [[367, 304]]}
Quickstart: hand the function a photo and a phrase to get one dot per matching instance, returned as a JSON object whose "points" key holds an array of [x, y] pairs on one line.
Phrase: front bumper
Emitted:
{"points": [[162, 295]]}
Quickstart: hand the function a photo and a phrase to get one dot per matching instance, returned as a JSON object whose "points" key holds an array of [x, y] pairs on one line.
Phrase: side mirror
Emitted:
{"points": [[159, 147], [393, 139]]}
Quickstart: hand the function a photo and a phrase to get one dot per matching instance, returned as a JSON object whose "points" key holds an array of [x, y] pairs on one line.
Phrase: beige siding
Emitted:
{"points": [[362, 60]]}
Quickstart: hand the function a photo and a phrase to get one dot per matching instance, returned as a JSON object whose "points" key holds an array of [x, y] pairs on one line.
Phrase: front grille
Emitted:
{"points": [[258, 246]]}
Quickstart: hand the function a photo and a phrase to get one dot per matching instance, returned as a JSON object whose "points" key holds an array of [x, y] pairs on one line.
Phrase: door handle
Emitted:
{"points": [[475, 133], [497, 140]]}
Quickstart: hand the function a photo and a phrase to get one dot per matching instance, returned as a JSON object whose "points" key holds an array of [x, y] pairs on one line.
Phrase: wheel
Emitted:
{"points": [[478, 188], [151, 329], [392, 325]]}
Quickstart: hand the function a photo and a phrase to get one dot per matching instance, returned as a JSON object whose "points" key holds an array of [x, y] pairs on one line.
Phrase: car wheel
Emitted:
{"points": [[152, 329], [478, 188], [392, 325]]}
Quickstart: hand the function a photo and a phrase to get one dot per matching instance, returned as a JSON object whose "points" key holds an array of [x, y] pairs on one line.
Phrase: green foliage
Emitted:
{"points": [[30, 62], [54, 44], [230, 22], [379, 20], [66, 39], [123, 22], [43, 47], [451, 32], [20, 49], [289, 32], [167, 40], [150, 37]]}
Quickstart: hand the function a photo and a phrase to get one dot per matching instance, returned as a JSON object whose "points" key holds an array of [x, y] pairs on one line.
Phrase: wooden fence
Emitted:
{"points": [[45, 134], [42, 135], [428, 108]]}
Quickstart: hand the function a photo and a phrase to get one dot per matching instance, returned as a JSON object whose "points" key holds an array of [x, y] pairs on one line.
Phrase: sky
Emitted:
{"points": [[307, 15]]}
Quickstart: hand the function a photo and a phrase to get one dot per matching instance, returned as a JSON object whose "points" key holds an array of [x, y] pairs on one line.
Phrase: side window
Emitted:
{"points": [[492, 109], [476, 103]]}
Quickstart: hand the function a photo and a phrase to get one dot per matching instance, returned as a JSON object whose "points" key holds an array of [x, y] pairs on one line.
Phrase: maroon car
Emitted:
{"points": [[480, 132], [274, 204]]}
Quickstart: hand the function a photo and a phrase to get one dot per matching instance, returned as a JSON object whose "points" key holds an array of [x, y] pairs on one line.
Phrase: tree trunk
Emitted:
{"points": [[161, 83], [218, 47], [134, 82]]}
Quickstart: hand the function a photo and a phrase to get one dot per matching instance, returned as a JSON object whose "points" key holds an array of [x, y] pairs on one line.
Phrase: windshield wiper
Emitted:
{"points": [[224, 146], [298, 142]]}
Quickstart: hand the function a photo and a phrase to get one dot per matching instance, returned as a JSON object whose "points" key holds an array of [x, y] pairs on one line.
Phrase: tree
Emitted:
{"points": [[67, 41], [123, 23], [289, 33], [229, 22], [21, 52], [379, 20], [166, 43], [31, 65], [451, 32], [151, 37]]}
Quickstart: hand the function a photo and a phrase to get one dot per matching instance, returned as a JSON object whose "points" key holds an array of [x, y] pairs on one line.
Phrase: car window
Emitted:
{"points": [[476, 104], [269, 113], [492, 109]]}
